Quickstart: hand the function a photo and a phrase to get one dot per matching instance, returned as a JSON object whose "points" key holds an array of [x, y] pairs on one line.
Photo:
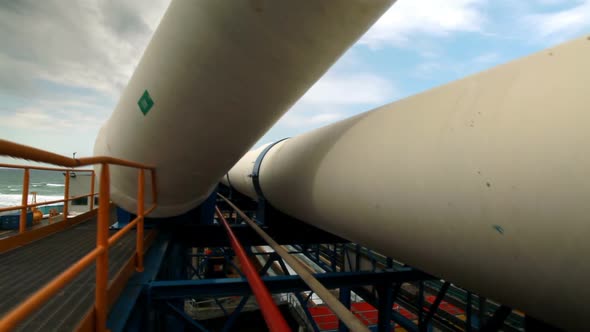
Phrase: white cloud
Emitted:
{"points": [[26, 117], [433, 69], [96, 44], [491, 57], [64, 63], [91, 44], [297, 120], [338, 89], [408, 18], [557, 26], [551, 2], [51, 117], [58, 126], [333, 96], [427, 68]]}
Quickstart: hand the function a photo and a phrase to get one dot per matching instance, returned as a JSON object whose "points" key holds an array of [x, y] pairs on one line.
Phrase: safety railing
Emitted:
{"points": [[103, 241], [26, 206]]}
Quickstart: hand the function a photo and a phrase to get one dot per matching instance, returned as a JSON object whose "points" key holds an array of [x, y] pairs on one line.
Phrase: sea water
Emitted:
{"points": [[49, 186]]}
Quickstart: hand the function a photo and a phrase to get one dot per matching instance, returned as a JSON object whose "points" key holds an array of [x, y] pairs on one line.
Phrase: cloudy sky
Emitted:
{"points": [[63, 64]]}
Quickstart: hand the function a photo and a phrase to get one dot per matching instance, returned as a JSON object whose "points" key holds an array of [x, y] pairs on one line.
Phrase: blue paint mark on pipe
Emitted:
{"points": [[499, 229]]}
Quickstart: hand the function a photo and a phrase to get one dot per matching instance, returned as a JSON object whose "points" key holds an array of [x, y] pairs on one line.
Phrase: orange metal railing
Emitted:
{"points": [[25, 193], [103, 241]]}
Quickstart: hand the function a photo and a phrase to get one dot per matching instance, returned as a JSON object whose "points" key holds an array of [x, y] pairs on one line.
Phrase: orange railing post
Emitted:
{"points": [[22, 226], [67, 196], [102, 242], [154, 188], [92, 180], [140, 212]]}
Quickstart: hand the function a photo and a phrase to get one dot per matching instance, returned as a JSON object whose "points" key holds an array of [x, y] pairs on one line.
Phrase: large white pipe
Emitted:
{"points": [[484, 182], [219, 74]]}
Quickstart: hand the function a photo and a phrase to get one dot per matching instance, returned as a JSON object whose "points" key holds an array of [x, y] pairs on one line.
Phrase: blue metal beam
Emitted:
{"points": [[279, 284], [468, 312], [174, 269], [234, 315], [396, 316], [432, 310], [385, 302], [497, 321], [188, 321], [305, 308], [345, 299], [420, 302], [283, 266], [271, 259], [121, 310]]}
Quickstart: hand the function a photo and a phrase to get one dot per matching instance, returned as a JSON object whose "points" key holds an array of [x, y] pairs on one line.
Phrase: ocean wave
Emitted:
{"points": [[55, 185], [15, 200]]}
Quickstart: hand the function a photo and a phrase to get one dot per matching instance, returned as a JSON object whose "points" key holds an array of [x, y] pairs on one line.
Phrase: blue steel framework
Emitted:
{"points": [[174, 272], [415, 303]]}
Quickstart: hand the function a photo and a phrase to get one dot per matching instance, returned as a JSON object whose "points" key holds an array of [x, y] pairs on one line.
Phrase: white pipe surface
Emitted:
{"points": [[484, 182], [219, 74]]}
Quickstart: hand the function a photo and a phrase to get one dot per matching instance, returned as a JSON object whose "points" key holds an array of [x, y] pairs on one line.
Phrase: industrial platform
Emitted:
{"points": [[25, 269], [436, 212], [195, 261]]}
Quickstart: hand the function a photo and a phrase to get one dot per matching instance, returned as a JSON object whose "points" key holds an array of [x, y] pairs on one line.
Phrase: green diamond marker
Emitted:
{"points": [[145, 102]]}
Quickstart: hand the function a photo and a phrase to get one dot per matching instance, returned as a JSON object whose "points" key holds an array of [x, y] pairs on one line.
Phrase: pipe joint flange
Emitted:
{"points": [[256, 170]]}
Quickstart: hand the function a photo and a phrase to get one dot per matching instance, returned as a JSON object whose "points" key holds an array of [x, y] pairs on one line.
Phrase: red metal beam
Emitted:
{"points": [[273, 317]]}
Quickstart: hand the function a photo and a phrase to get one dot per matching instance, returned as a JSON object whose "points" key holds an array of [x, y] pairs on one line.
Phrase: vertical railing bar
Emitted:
{"points": [[22, 226], [92, 180], [67, 196], [102, 239], [154, 188], [468, 309], [140, 215]]}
